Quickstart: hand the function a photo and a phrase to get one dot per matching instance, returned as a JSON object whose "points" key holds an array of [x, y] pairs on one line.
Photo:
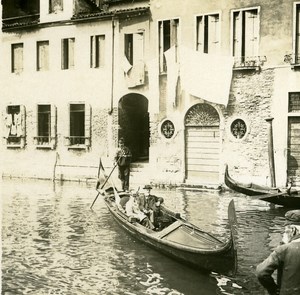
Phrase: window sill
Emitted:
{"points": [[78, 147], [44, 147], [247, 68], [14, 146]]}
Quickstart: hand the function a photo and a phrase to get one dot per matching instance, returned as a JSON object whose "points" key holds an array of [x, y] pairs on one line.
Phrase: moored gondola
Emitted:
{"points": [[250, 189]]}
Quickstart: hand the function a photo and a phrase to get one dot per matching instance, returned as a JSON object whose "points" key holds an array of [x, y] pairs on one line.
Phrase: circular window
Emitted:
{"points": [[167, 129], [238, 128]]}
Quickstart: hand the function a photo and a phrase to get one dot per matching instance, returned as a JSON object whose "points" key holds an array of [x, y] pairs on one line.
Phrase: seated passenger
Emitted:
{"points": [[132, 210], [150, 204]]}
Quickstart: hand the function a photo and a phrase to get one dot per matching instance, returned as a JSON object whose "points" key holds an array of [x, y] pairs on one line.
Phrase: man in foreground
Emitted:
{"points": [[286, 260]]}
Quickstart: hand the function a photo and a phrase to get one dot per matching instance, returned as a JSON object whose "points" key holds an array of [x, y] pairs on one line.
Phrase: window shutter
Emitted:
{"points": [[67, 138], [213, 34], [23, 125], [297, 41], [200, 34], [237, 34], [101, 50], [87, 125], [35, 123], [93, 51], [71, 52], [161, 47], [53, 127], [138, 47], [251, 33]]}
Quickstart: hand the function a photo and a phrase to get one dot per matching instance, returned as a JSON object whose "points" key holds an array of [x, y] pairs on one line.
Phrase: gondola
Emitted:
{"points": [[181, 240], [283, 199], [250, 189]]}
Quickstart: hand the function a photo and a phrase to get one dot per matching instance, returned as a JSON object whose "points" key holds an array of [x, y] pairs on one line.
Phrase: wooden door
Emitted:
{"points": [[293, 164], [202, 154]]}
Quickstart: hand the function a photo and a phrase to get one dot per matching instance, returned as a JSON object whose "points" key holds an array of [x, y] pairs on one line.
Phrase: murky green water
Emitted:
{"points": [[52, 243]]}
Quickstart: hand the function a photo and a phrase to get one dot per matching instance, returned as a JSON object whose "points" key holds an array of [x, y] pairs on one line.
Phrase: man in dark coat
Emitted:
{"points": [[150, 204], [286, 260], [123, 159]]}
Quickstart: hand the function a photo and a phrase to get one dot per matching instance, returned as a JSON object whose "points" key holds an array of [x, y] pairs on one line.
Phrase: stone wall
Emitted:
{"points": [[250, 100]]}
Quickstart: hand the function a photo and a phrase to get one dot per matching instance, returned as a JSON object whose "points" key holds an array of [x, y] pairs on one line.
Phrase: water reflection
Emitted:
{"points": [[52, 243]]}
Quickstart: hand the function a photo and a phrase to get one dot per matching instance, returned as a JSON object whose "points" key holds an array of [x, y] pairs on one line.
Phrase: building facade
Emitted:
{"points": [[190, 87]]}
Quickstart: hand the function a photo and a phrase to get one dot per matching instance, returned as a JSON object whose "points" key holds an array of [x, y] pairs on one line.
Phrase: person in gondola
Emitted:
{"points": [[150, 204], [133, 211], [286, 260], [123, 159]]}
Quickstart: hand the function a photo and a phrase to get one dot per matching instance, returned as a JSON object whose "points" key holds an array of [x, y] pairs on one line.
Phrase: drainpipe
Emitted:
{"points": [[271, 153], [112, 66], [110, 117]]}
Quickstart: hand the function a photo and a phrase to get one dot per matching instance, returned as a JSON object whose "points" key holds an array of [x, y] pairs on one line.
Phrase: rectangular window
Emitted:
{"points": [[97, 51], [42, 55], [68, 53], [245, 33], [77, 126], [294, 102], [297, 34], [44, 124], [208, 33], [15, 126], [55, 6], [168, 37], [134, 47], [17, 58]]}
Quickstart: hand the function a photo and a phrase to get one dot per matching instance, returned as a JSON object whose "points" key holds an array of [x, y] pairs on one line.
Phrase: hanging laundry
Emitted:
{"points": [[206, 76], [136, 76], [153, 76], [18, 123], [8, 124], [126, 65], [172, 75]]}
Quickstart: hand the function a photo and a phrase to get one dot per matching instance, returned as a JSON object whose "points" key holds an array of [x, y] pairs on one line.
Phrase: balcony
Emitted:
{"points": [[293, 59], [249, 62]]}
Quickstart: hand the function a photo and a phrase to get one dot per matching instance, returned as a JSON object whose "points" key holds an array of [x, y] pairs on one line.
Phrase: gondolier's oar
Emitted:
{"points": [[102, 186]]}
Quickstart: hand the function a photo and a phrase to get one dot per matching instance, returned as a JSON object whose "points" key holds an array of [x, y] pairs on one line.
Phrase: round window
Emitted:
{"points": [[238, 128], [167, 129]]}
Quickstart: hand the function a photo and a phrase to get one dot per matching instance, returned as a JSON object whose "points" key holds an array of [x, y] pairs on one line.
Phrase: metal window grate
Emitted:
{"points": [[294, 102]]}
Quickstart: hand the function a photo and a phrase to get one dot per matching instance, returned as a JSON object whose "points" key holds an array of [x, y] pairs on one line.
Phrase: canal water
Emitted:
{"points": [[52, 243]]}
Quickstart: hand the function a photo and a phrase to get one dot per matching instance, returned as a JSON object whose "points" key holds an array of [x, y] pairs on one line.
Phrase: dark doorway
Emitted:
{"points": [[134, 125]]}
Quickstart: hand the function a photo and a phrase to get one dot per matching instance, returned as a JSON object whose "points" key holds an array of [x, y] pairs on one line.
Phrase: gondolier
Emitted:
{"points": [[123, 159]]}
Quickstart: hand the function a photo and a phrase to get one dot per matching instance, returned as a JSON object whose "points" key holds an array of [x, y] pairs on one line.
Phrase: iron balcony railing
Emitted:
{"points": [[249, 62], [292, 59]]}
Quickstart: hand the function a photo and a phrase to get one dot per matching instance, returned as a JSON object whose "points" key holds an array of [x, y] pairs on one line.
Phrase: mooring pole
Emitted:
{"points": [[271, 153]]}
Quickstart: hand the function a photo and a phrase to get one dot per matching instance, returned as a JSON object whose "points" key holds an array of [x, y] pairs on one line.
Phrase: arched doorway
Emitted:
{"points": [[202, 140], [134, 125]]}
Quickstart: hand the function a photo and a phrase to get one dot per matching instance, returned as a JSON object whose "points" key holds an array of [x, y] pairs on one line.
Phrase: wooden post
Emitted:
{"points": [[271, 153]]}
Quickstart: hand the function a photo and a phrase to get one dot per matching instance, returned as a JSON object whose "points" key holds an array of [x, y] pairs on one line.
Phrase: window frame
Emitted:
{"points": [[52, 128], [85, 139], [16, 140], [218, 35], [162, 46], [136, 52], [42, 63], [68, 53], [52, 9], [243, 34], [97, 51], [14, 58], [296, 33]]}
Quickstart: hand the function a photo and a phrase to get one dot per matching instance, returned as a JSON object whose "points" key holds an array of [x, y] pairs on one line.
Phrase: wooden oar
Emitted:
{"points": [[102, 186]]}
